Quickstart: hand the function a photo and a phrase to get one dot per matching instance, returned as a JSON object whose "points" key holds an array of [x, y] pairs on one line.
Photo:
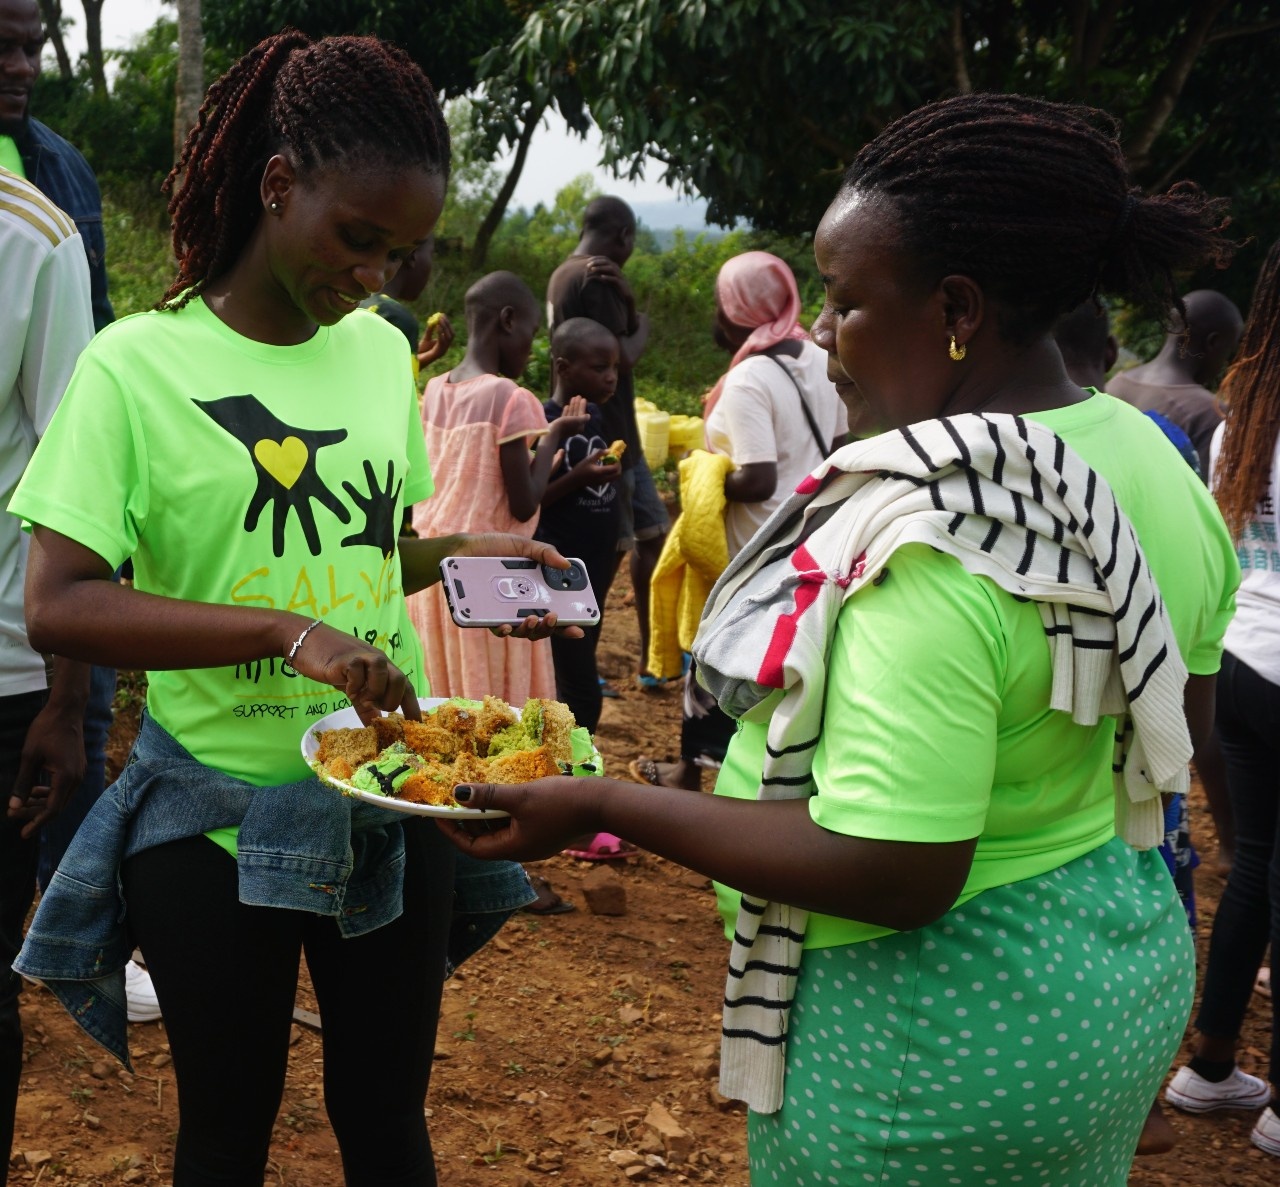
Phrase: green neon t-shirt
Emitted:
{"points": [[239, 473], [10, 157], [937, 726]]}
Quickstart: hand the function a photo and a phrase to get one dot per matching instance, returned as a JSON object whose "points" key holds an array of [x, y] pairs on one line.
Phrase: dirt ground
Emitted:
{"points": [[576, 1048]]}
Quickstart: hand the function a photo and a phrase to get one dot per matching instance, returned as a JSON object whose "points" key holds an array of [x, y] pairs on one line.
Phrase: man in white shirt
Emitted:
{"points": [[46, 324]]}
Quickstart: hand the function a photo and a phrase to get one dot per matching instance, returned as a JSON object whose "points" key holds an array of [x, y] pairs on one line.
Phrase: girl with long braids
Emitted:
{"points": [[1245, 459], [252, 448], [957, 656]]}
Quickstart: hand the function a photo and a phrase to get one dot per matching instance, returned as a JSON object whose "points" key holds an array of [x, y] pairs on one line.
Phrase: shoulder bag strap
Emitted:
{"points": [[824, 447]]}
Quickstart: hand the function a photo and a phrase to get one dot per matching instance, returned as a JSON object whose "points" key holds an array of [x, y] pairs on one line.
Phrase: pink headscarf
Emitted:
{"points": [[757, 289]]}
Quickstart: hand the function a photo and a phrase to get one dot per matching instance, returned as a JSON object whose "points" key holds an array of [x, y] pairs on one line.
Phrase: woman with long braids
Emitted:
{"points": [[252, 448], [957, 656], [1246, 481]]}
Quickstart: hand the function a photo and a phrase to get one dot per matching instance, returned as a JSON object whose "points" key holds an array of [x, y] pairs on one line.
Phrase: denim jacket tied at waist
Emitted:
{"points": [[302, 846]]}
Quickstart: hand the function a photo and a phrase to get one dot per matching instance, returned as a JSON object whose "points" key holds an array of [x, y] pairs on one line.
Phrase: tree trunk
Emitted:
{"points": [[93, 47], [1168, 86], [51, 14], [959, 58], [190, 87], [493, 220]]}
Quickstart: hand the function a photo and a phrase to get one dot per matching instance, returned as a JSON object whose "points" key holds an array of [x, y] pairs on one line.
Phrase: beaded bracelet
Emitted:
{"points": [[297, 643]]}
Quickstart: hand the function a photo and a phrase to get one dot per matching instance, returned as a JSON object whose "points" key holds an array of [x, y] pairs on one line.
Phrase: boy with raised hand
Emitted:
{"points": [[582, 506]]}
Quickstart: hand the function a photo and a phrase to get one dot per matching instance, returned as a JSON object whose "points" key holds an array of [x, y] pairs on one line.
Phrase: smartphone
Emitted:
{"points": [[498, 590]]}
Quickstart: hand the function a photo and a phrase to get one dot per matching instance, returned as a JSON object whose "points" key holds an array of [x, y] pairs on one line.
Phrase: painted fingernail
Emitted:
{"points": [[462, 794]]}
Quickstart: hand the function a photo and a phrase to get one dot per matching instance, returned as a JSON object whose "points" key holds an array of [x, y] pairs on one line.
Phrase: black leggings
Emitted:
{"points": [[1248, 917], [226, 975], [577, 677]]}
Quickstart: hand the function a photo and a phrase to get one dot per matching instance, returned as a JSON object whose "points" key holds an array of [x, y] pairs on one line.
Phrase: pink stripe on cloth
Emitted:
{"points": [[758, 290], [785, 629]]}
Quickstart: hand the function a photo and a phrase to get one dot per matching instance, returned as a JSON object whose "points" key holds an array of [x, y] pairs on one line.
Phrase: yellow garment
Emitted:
{"points": [[694, 555]]}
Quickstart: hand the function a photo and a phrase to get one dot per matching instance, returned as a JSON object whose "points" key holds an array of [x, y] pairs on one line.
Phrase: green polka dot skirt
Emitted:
{"points": [[1019, 1039]]}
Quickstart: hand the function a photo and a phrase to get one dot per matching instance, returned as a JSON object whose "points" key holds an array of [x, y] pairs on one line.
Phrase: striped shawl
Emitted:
{"points": [[1010, 501]]}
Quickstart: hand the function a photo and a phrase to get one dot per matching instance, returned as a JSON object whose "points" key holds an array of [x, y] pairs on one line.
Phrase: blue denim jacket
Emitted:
{"points": [[302, 846], [58, 169]]}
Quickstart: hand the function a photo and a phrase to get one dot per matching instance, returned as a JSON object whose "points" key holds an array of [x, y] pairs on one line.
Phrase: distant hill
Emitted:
{"points": [[689, 213], [665, 238], [664, 219]]}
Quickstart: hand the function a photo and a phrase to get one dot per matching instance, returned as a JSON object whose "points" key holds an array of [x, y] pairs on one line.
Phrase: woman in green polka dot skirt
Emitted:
{"points": [[947, 966]]}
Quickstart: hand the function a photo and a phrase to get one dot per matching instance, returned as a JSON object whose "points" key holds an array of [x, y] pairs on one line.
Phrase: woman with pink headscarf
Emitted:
{"points": [[777, 415], [774, 412]]}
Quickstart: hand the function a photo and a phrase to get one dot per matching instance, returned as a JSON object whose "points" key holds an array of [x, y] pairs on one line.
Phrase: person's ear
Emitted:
{"points": [[964, 308], [278, 180], [506, 318], [1110, 353], [560, 364]]}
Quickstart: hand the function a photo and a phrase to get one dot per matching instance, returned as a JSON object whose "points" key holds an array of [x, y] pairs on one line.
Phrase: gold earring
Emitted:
{"points": [[956, 352]]}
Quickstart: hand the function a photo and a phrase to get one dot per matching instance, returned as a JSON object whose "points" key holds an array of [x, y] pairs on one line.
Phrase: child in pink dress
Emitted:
{"points": [[479, 428]]}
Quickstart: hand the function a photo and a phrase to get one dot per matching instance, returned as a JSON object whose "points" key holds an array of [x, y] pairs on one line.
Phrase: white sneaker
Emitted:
{"points": [[1266, 1134], [1192, 1093], [140, 994]]}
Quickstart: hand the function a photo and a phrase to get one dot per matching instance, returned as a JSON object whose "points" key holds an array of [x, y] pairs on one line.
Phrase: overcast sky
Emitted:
{"points": [[556, 156]]}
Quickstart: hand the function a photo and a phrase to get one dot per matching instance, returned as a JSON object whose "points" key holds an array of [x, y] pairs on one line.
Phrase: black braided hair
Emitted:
{"points": [[1034, 201], [349, 100]]}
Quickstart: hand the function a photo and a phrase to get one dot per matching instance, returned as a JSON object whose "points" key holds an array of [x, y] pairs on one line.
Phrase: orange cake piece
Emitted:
{"points": [[522, 766], [470, 768], [432, 740], [354, 745], [426, 786], [389, 729], [457, 719], [495, 714], [558, 723]]}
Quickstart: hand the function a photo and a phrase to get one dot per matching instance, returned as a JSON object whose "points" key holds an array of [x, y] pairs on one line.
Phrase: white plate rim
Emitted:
{"points": [[348, 718]]}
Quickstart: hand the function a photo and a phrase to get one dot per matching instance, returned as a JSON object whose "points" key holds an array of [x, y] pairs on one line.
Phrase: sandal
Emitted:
{"points": [[603, 847], [648, 682], [645, 770], [648, 770], [547, 902], [607, 690]]}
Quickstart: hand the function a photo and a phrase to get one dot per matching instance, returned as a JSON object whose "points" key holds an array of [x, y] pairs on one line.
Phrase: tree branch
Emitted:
{"points": [[492, 220], [51, 13], [1173, 78], [1177, 166], [1099, 33], [839, 149], [1243, 31]]}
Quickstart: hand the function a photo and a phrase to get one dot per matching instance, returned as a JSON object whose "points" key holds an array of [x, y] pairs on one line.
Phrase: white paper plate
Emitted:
{"points": [[348, 719]]}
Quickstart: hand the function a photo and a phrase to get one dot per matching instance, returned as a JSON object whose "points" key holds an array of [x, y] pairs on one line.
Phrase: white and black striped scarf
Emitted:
{"points": [[1008, 499]]}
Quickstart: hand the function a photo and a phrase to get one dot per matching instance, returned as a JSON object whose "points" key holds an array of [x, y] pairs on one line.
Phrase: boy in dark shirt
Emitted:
{"points": [[591, 283], [582, 507]]}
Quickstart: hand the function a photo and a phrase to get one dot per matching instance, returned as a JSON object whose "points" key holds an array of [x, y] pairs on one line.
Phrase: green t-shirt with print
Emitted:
{"points": [[936, 725], [240, 473]]}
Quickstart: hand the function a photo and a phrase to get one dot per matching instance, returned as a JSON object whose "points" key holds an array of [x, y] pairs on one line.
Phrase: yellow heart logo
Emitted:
{"points": [[284, 460]]}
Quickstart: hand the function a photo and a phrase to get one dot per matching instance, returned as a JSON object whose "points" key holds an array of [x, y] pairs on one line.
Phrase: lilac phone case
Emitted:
{"points": [[498, 590]]}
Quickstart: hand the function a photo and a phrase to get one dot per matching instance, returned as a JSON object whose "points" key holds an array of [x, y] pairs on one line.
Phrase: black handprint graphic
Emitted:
{"points": [[379, 508], [284, 459]]}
